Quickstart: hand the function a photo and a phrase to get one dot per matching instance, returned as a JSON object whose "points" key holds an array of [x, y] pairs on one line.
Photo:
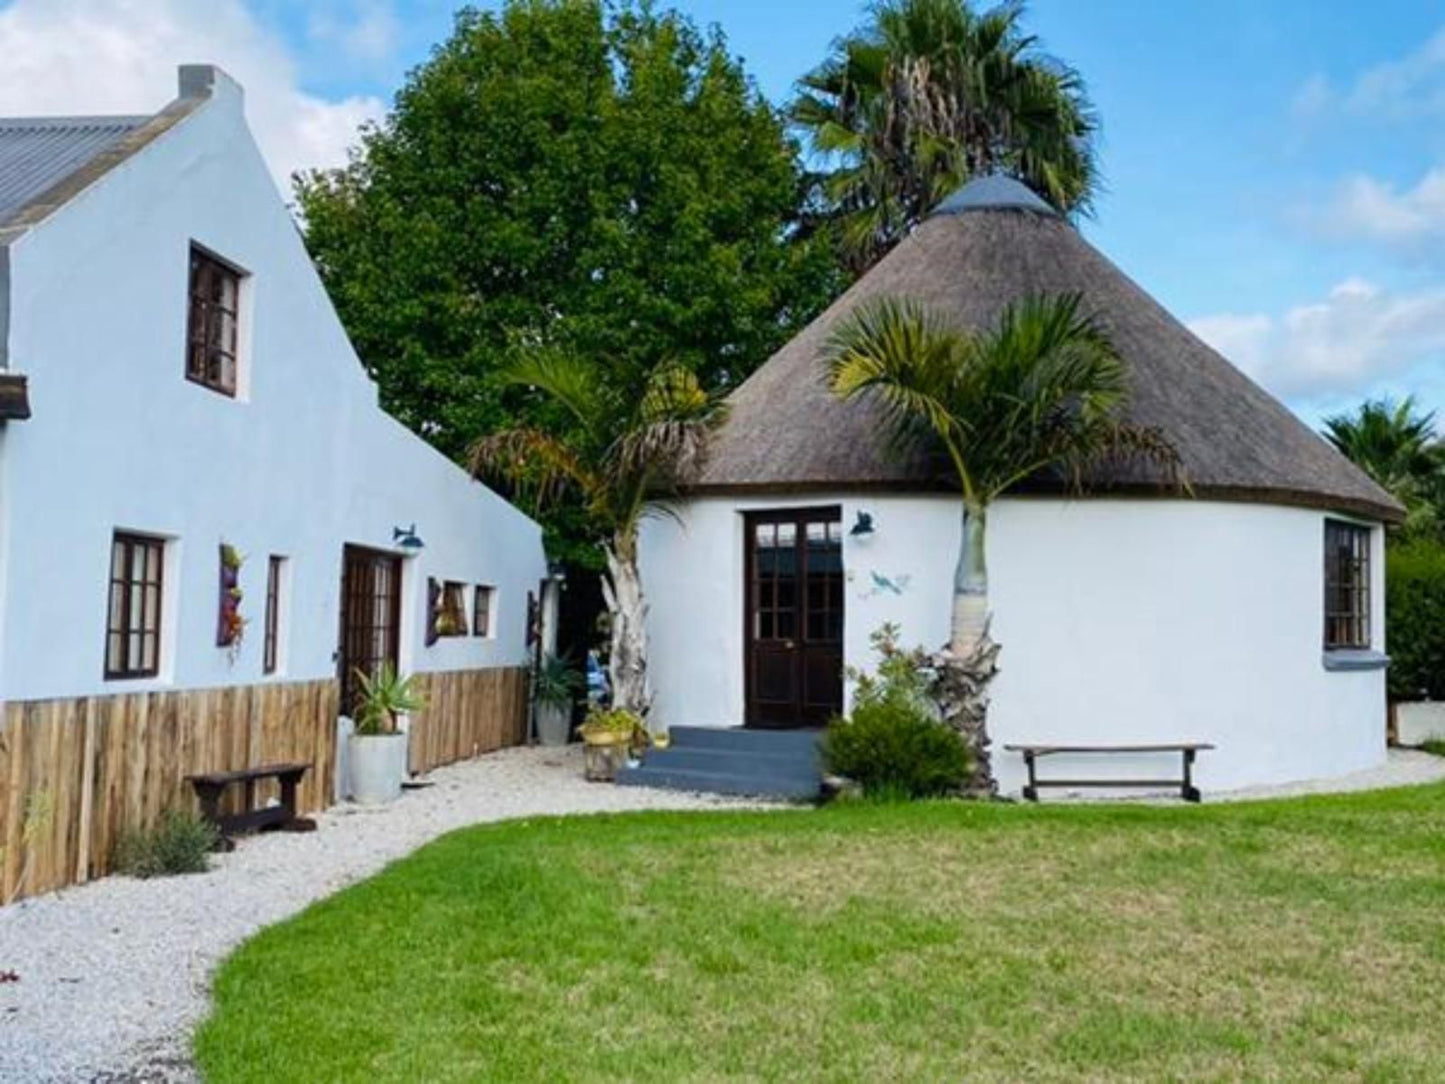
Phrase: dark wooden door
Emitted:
{"points": [[793, 649], [370, 616]]}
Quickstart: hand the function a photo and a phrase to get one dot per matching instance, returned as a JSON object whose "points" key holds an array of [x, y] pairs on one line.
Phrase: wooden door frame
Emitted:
{"points": [[398, 563], [751, 517]]}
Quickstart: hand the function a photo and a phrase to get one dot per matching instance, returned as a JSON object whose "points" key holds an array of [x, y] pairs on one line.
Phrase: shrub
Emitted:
{"points": [[180, 842], [1415, 620], [893, 744]]}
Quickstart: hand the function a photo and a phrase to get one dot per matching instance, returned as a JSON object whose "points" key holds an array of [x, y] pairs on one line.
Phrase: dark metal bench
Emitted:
{"points": [[211, 786], [1187, 790]]}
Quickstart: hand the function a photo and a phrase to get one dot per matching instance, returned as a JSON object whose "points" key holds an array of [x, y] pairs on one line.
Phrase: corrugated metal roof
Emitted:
{"points": [[38, 152]]}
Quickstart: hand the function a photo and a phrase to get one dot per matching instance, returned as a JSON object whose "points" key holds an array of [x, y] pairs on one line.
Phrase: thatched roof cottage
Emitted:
{"points": [[1247, 613]]}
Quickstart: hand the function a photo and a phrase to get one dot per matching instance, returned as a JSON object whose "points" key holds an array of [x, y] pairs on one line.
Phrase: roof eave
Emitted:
{"points": [[1364, 508]]}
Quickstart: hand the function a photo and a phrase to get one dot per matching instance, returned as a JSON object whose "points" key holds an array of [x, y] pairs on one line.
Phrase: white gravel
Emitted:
{"points": [[114, 975], [1402, 768]]}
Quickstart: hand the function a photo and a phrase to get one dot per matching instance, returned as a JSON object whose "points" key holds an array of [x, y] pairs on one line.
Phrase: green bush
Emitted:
{"points": [[1415, 620], [180, 842], [893, 745]]}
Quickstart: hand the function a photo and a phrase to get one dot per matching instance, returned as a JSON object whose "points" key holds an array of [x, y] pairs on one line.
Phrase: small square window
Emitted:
{"points": [[483, 603], [212, 326], [1347, 586], [448, 609]]}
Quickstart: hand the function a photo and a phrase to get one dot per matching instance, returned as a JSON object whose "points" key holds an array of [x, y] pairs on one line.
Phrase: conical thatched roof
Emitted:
{"points": [[990, 244]]}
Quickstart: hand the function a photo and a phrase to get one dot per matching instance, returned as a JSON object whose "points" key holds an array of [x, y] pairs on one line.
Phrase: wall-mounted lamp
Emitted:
{"points": [[407, 538], [556, 571], [863, 526]]}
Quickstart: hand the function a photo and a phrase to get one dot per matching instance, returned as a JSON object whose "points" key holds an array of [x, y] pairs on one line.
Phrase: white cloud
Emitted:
{"points": [[371, 34], [1409, 86], [120, 56], [1356, 339], [1375, 210]]}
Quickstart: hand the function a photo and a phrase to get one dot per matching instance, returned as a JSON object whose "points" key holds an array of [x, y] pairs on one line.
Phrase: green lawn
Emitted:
{"points": [[1300, 940]]}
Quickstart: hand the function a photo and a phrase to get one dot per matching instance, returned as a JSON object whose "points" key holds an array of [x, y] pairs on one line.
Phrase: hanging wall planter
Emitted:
{"points": [[230, 624]]}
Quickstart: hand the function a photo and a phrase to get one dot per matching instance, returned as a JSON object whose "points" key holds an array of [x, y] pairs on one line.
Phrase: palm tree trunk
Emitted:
{"points": [[970, 584], [969, 662], [627, 658]]}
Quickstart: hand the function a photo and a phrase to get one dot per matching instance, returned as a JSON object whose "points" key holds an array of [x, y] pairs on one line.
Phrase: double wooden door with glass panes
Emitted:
{"points": [[793, 641]]}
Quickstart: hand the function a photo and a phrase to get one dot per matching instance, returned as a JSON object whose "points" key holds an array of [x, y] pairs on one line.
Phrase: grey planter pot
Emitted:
{"points": [[378, 766], [554, 724]]}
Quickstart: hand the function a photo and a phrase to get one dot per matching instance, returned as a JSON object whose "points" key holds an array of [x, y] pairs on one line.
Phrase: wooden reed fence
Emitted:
{"points": [[468, 712], [105, 765]]}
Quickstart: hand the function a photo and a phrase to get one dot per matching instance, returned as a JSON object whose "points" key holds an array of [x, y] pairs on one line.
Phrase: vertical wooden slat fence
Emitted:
{"points": [[468, 712], [106, 765]]}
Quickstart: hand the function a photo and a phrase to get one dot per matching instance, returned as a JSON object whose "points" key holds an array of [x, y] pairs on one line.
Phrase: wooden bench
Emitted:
{"points": [[211, 786], [1187, 790]]}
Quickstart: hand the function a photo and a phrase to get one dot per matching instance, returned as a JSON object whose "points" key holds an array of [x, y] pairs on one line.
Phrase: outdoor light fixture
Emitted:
{"points": [[864, 525], [556, 571], [407, 538]]}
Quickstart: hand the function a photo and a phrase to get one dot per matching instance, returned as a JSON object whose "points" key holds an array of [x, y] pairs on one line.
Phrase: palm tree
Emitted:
{"points": [[928, 95], [1042, 391], [1395, 444], [624, 452]]}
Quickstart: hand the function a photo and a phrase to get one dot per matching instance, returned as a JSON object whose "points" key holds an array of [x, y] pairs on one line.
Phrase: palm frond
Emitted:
{"points": [[564, 377], [530, 461]]}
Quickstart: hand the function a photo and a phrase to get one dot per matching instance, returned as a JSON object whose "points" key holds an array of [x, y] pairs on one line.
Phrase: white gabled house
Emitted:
{"points": [[175, 387]]}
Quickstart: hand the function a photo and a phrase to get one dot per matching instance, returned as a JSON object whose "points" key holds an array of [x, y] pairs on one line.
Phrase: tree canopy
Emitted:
{"points": [[1395, 444], [931, 93], [609, 183]]}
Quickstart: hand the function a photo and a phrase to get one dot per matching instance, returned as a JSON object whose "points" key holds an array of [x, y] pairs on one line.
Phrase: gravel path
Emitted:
{"points": [[1402, 768], [113, 975]]}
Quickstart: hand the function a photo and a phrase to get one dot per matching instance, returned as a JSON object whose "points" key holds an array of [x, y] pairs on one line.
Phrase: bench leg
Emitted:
{"points": [[1031, 792], [288, 794], [1189, 791], [210, 797]]}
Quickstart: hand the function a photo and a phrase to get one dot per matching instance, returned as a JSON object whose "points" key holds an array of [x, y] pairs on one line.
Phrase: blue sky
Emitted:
{"points": [[1275, 171]]}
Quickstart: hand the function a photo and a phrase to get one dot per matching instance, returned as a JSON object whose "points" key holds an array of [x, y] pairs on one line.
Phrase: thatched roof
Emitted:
{"points": [[994, 243]]}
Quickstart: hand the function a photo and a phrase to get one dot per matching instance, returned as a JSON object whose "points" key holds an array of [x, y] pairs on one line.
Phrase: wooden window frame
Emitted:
{"points": [[447, 599], [270, 648], [202, 312], [122, 667], [484, 598], [1347, 576]]}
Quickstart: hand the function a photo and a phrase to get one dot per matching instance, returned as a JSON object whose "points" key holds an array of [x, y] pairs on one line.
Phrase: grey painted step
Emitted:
{"points": [[738, 739], [793, 764], [718, 783]]}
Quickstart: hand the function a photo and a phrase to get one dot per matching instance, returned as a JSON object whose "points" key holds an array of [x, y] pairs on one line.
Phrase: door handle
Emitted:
{"points": [[789, 645]]}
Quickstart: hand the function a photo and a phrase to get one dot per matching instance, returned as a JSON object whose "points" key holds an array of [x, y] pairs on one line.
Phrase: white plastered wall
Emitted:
{"points": [[1121, 621]]}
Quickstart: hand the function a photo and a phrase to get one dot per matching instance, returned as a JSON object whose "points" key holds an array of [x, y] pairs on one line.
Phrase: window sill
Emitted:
{"points": [[1356, 659]]}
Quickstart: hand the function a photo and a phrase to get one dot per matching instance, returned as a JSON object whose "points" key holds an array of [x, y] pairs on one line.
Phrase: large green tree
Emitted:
{"points": [[928, 94], [608, 183]]}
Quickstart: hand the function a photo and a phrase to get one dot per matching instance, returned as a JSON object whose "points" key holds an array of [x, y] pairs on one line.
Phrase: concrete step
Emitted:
{"points": [[719, 783], [737, 739], [799, 763]]}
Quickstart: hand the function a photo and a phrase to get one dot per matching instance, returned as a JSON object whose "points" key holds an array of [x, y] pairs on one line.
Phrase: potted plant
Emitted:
{"points": [[378, 745], [554, 686], [609, 735]]}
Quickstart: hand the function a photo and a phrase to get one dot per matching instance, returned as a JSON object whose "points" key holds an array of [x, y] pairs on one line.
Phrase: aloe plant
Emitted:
{"points": [[384, 698]]}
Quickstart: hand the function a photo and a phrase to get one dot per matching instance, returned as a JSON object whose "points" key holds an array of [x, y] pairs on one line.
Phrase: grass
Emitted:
{"points": [[1435, 746], [1300, 940]]}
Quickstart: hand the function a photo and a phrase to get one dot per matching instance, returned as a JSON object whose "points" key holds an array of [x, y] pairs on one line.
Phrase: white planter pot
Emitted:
{"points": [[554, 724], [378, 766], [1419, 722]]}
